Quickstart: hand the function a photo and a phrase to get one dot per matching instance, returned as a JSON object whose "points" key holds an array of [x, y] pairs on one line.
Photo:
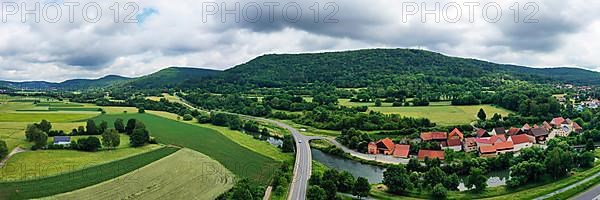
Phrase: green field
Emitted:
{"points": [[58, 104], [43, 163], [79, 179], [37, 117], [241, 161], [244, 140], [182, 175], [441, 113]]}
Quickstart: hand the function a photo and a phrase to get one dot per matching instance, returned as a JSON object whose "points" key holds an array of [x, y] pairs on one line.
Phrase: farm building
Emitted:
{"points": [[540, 134], [431, 154], [454, 144], [522, 141], [401, 150], [62, 140], [482, 133], [434, 136], [470, 144], [385, 146]]}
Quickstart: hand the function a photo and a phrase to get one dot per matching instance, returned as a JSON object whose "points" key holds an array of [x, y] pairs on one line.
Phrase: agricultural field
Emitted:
{"points": [[78, 179], [184, 174], [36, 117], [441, 113], [241, 161], [242, 139], [44, 163]]}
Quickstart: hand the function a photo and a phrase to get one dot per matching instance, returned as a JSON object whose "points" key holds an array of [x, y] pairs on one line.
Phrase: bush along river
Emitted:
{"points": [[270, 139], [375, 173]]}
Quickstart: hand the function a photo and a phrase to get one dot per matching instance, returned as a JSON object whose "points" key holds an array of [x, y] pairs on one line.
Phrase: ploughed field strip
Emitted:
{"points": [[79, 179], [183, 175], [241, 161]]}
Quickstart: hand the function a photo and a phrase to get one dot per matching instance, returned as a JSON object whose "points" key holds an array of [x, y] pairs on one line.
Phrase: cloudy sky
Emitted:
{"points": [[146, 36]]}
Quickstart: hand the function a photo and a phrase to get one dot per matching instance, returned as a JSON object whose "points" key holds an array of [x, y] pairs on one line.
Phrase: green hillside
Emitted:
{"points": [[386, 67], [168, 77]]}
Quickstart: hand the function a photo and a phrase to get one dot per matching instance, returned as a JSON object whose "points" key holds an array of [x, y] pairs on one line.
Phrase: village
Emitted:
{"points": [[485, 143]]}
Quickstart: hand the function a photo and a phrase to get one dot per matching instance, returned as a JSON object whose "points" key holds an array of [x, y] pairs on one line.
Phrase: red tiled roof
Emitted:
{"points": [[513, 131], [557, 121], [431, 154], [401, 150], [487, 149], [526, 127], [491, 140], [546, 125], [535, 126], [426, 136], [481, 132], [389, 144], [494, 138], [519, 139], [456, 132], [454, 142], [576, 126], [504, 145], [482, 140]]}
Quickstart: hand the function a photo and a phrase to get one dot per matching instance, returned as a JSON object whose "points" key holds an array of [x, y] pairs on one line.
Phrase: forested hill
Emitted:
{"points": [[168, 77], [384, 67]]}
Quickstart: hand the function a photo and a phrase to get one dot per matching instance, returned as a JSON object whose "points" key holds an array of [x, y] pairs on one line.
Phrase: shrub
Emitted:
{"points": [[187, 117]]}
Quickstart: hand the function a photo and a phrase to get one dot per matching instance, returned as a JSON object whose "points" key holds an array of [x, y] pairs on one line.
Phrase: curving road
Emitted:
{"points": [[303, 165]]}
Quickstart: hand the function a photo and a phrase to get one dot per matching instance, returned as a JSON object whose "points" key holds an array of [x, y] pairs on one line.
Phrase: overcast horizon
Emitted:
{"points": [[148, 36]]}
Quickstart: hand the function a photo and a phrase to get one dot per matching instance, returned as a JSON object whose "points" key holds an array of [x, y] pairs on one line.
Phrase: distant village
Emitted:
{"points": [[485, 143]]}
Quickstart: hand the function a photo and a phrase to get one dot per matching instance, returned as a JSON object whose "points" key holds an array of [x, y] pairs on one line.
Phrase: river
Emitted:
{"points": [[375, 173]]}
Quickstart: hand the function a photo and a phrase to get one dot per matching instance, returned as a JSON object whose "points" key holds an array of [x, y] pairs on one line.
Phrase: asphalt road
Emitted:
{"points": [[303, 165], [592, 193]]}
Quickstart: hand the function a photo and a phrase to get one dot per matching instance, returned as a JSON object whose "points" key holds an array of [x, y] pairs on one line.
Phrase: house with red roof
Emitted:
{"points": [[513, 131], [482, 133], [546, 125], [470, 144], [434, 136], [431, 154], [526, 128], [557, 121], [487, 151], [455, 135], [384, 146], [401, 150], [521, 141], [577, 128], [454, 144], [503, 147]]}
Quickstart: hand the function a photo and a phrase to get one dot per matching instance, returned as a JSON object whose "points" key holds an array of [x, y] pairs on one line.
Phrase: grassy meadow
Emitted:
{"points": [[78, 179], [236, 158], [184, 174], [441, 113]]}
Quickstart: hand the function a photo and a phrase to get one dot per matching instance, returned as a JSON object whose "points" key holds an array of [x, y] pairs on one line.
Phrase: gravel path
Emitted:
{"points": [[13, 152]]}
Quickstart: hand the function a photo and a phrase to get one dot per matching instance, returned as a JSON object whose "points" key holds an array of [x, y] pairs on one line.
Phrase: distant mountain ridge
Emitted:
{"points": [[356, 68], [68, 84], [167, 77]]}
